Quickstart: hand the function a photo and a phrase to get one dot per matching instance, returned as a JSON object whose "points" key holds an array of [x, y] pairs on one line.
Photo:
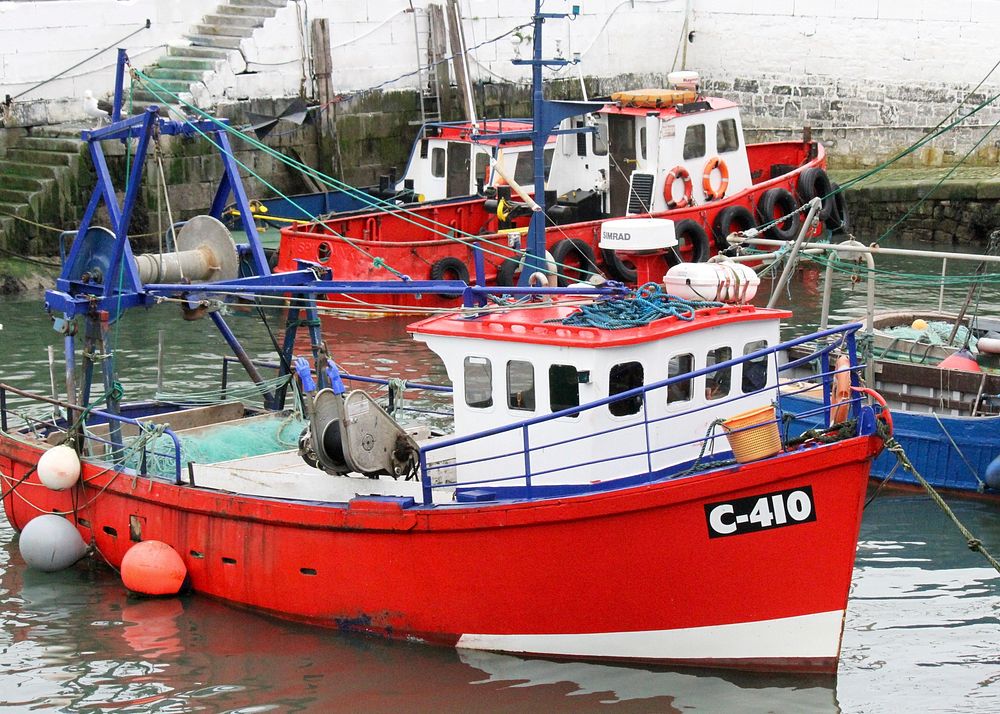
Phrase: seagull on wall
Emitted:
{"points": [[95, 109]]}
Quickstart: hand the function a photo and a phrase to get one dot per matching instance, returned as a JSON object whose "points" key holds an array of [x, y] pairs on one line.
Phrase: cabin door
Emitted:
{"points": [[459, 162], [621, 137]]}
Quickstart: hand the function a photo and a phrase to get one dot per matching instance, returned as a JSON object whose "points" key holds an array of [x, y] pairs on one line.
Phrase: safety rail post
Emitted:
{"points": [[527, 459], [645, 424], [824, 365], [425, 480], [855, 381], [3, 409]]}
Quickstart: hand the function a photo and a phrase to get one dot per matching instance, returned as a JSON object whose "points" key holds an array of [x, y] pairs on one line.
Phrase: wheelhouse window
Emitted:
{"points": [[521, 385], [755, 370], [718, 383], [694, 141], [438, 159], [678, 365], [726, 137], [478, 382], [482, 162], [622, 378], [642, 143], [524, 172], [601, 139], [524, 169], [564, 387], [581, 138]]}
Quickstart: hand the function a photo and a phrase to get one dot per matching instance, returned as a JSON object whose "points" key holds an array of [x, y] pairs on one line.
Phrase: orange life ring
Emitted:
{"points": [[712, 194], [841, 395], [677, 172]]}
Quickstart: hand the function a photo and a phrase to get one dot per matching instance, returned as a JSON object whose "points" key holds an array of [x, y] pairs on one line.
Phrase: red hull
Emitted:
{"points": [[414, 241], [622, 562]]}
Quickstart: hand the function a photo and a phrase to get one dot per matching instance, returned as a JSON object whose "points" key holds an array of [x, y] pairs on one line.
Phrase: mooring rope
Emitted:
{"points": [[649, 303], [895, 448]]}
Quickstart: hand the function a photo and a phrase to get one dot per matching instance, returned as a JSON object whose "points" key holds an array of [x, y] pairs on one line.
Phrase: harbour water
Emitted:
{"points": [[921, 632]]}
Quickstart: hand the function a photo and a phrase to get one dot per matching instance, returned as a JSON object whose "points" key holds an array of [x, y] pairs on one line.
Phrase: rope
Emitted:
{"points": [[649, 303], [895, 448]]}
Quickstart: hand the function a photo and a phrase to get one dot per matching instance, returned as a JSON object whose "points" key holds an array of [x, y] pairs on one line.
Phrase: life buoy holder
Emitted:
{"points": [[712, 194], [840, 397], [677, 172]]}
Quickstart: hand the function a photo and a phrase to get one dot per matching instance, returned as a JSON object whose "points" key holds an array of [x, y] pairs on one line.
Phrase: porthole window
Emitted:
{"points": [[755, 370], [438, 160], [564, 387], [478, 382], [521, 385], [718, 383], [622, 378], [694, 141], [678, 365]]}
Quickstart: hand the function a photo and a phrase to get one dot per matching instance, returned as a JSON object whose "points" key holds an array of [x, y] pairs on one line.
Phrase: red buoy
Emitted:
{"points": [[153, 568], [962, 360]]}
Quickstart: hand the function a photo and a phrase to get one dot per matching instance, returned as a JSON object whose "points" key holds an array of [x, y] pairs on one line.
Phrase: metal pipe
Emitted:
{"points": [[159, 361], [52, 380], [197, 265], [238, 350], [786, 273]]}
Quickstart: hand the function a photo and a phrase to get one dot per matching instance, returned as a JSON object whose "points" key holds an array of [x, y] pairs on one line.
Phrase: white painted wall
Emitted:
{"points": [[41, 39], [851, 42]]}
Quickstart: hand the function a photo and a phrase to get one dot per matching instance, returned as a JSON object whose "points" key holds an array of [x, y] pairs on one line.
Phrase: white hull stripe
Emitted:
{"points": [[803, 636]]}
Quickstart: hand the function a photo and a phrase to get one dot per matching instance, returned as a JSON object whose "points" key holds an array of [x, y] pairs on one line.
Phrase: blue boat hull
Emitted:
{"points": [[927, 445]]}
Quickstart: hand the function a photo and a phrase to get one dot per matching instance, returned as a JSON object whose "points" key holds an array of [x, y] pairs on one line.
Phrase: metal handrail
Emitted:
{"points": [[846, 332], [4, 388]]}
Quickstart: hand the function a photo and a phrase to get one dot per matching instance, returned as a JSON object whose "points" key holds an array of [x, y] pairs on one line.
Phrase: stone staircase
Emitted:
{"points": [[210, 42], [45, 172]]}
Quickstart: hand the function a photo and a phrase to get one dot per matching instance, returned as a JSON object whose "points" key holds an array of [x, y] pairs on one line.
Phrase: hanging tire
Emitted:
{"points": [[506, 272], [731, 219], [839, 217], [692, 243], [775, 203], [450, 268], [617, 268], [814, 183], [574, 249], [509, 270]]}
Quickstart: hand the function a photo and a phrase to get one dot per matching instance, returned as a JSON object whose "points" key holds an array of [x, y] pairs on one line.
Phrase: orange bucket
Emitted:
{"points": [[750, 442]]}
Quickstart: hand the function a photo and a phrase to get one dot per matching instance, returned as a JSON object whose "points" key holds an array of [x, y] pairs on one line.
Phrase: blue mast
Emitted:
{"points": [[547, 115]]}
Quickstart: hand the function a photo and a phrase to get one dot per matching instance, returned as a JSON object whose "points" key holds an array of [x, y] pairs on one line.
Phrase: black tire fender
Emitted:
{"points": [[730, 218], [694, 234], [839, 217], [581, 248], [814, 183], [779, 202], [450, 268]]}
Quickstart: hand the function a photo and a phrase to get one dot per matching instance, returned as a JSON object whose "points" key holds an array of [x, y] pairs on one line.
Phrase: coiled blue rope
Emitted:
{"points": [[649, 303]]}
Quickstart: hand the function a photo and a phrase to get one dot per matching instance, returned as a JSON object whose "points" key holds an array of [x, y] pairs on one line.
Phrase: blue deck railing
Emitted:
{"points": [[827, 341], [135, 455]]}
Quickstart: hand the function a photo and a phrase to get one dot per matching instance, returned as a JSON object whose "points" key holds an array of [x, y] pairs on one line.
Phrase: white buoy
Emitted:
{"points": [[59, 468], [50, 543]]}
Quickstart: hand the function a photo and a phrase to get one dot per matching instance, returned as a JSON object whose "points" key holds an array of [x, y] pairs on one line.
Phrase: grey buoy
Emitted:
{"points": [[50, 543]]}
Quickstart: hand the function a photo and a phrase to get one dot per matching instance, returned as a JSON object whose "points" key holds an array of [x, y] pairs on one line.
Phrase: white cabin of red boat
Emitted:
{"points": [[647, 137], [511, 366], [450, 160]]}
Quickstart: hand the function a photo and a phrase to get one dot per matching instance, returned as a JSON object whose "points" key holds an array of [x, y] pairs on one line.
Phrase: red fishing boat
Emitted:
{"points": [[653, 153], [573, 511], [613, 486]]}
